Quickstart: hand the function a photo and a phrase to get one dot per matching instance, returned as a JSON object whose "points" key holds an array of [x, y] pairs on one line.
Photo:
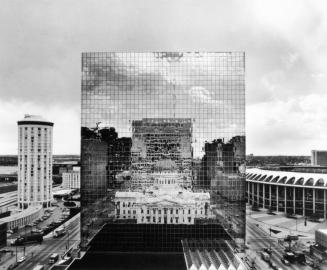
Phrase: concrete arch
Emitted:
{"points": [[320, 182], [275, 179], [262, 178], [299, 181], [290, 180], [309, 182], [253, 176], [282, 180]]}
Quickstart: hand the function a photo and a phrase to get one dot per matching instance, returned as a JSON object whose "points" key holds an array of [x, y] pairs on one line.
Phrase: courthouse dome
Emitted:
{"points": [[165, 164]]}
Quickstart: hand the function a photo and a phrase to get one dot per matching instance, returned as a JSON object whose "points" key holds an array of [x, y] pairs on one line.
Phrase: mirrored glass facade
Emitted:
{"points": [[162, 150]]}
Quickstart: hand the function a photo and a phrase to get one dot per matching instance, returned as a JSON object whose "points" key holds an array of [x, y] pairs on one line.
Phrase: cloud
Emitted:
{"points": [[65, 132], [202, 95], [284, 40], [292, 127]]}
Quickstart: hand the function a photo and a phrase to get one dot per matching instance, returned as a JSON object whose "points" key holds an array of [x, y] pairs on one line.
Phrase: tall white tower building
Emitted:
{"points": [[34, 161]]}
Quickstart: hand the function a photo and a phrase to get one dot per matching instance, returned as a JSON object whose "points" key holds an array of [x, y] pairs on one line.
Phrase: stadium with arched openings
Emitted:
{"points": [[293, 192]]}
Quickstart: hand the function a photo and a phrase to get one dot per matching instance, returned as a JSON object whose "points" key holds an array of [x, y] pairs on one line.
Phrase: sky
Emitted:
{"points": [[285, 43]]}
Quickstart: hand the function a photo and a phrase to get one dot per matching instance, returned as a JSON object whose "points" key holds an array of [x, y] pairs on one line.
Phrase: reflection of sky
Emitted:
{"points": [[208, 87]]}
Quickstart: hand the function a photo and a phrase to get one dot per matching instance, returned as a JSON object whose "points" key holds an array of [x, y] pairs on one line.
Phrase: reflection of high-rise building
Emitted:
{"points": [[72, 179], [162, 138], [94, 164], [163, 162], [34, 161], [162, 148]]}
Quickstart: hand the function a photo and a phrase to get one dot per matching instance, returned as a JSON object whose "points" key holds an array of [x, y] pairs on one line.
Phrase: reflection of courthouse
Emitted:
{"points": [[168, 205], [161, 173]]}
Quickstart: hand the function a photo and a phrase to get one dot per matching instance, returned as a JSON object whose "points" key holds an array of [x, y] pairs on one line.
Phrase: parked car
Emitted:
{"points": [[273, 266], [10, 231], [37, 231], [286, 262], [267, 250]]}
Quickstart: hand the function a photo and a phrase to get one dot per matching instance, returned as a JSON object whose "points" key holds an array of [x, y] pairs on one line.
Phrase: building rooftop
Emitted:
{"points": [[211, 255], [30, 119], [287, 177]]}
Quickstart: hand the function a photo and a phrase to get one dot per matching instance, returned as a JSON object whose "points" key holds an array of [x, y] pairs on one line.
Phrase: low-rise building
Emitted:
{"points": [[3, 234], [72, 179], [319, 158], [321, 237]]}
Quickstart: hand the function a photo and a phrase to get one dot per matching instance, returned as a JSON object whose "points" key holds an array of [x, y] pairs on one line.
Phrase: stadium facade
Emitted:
{"points": [[296, 191]]}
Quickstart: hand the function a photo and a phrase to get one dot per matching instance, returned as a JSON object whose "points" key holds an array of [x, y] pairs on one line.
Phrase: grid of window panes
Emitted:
{"points": [[163, 147]]}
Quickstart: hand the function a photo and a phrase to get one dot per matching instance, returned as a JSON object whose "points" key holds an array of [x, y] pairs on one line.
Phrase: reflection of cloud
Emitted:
{"points": [[202, 95]]}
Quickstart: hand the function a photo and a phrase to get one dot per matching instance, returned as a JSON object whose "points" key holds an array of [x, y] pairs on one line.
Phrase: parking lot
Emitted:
{"points": [[51, 218]]}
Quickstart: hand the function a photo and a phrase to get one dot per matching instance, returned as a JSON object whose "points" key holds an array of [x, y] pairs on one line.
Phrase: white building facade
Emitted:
{"points": [[34, 162], [72, 179], [288, 191], [169, 205]]}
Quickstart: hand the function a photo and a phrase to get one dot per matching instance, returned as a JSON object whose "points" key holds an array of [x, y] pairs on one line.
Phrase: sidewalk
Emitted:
{"points": [[282, 226]]}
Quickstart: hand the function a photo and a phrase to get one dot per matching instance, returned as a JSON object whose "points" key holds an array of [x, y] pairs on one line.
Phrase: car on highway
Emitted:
{"points": [[38, 267], [53, 258], [21, 259], [286, 262]]}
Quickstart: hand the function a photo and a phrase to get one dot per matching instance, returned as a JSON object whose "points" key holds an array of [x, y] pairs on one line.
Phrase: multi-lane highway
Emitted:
{"points": [[257, 239], [7, 200], [39, 254]]}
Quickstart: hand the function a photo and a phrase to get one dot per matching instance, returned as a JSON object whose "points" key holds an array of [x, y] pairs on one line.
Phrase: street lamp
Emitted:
{"points": [[68, 238]]}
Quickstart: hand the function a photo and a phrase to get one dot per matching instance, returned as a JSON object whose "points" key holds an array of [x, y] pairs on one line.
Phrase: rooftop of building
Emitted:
{"points": [[210, 254], [324, 231], [287, 177], [34, 119], [129, 261]]}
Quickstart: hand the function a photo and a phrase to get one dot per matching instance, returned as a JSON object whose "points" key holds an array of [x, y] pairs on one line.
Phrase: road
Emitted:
{"points": [[39, 254], [257, 239]]}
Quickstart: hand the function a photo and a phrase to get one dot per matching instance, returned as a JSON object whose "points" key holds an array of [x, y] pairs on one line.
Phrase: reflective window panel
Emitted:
{"points": [[163, 149]]}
